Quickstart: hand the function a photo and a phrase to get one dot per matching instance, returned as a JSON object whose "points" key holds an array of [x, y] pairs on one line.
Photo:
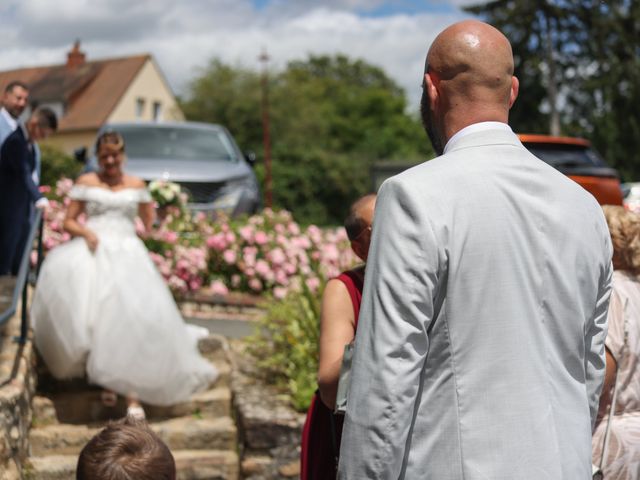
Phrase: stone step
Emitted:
{"points": [[81, 407], [185, 433], [206, 465], [190, 465], [60, 439], [214, 348]]}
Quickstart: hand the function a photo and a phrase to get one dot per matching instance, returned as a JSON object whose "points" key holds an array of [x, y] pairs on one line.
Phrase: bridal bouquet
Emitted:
{"points": [[166, 193]]}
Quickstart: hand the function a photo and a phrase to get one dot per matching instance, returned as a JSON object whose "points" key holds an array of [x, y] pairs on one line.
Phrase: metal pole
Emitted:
{"points": [[40, 256], [266, 136]]}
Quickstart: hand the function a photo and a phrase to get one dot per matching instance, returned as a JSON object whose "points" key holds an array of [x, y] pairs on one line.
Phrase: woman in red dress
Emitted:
{"points": [[338, 322]]}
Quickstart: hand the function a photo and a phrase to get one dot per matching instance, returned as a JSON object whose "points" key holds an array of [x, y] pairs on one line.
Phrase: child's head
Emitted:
{"points": [[125, 450]]}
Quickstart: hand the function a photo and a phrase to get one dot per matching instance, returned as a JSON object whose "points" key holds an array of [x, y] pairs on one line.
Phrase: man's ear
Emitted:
{"points": [[515, 87], [430, 84]]}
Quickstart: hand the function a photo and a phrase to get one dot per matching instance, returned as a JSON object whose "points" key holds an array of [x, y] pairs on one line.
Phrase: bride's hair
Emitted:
{"points": [[111, 138]]}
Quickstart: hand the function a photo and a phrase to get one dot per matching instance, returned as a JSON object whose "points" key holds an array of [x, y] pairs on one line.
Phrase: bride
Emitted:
{"points": [[101, 307]]}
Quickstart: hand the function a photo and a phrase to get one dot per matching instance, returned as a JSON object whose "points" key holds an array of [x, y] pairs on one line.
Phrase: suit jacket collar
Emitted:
{"points": [[484, 136]]}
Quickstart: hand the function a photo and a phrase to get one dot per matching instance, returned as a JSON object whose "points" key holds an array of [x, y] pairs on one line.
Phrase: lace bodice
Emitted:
{"points": [[109, 210]]}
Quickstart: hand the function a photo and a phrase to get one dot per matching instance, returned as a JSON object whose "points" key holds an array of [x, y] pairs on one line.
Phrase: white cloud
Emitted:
{"points": [[185, 35]]}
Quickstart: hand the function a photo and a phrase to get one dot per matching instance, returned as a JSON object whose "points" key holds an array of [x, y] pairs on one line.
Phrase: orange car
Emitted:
{"points": [[579, 161]]}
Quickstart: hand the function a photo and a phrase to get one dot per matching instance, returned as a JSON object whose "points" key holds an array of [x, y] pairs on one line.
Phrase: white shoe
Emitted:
{"points": [[136, 412]]}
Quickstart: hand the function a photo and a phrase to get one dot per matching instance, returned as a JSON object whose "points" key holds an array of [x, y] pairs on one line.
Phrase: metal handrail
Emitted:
{"points": [[23, 276]]}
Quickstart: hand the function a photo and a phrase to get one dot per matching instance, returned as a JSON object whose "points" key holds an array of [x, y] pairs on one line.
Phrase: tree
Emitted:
{"points": [[331, 119], [592, 51], [539, 33], [57, 164]]}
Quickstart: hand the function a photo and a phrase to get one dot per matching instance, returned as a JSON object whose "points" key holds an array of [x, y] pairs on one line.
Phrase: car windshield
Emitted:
{"points": [[558, 155], [175, 143]]}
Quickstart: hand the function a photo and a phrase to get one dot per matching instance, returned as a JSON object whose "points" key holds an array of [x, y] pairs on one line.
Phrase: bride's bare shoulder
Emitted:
{"points": [[88, 179], [134, 182]]}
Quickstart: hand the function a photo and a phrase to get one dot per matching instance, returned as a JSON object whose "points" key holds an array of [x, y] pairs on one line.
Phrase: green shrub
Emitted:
{"points": [[57, 164], [287, 345]]}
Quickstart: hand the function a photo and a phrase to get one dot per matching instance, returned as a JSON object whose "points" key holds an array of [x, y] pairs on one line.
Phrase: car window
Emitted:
{"points": [[559, 155], [161, 143]]}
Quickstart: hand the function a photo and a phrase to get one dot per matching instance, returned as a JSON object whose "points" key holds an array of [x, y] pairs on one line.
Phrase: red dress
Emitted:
{"points": [[322, 429]]}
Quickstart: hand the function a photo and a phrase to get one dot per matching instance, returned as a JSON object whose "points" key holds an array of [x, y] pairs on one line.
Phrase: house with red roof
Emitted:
{"points": [[87, 94]]}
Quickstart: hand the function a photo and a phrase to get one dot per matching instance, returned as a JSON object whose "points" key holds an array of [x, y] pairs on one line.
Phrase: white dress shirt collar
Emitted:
{"points": [[476, 127], [13, 123]]}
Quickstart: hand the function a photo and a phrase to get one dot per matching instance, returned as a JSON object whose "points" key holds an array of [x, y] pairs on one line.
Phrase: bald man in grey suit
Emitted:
{"points": [[480, 345]]}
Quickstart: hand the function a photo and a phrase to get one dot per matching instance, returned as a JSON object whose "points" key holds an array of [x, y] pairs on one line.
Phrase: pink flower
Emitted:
{"points": [[246, 233], [281, 278], [313, 283], [249, 256], [230, 237], [177, 284], [305, 269], [261, 238], [170, 237], [293, 228], [302, 242], [236, 280], [217, 242], [262, 268], [218, 287], [229, 256], [63, 186], [277, 256], [279, 292], [255, 284], [289, 268], [182, 264]]}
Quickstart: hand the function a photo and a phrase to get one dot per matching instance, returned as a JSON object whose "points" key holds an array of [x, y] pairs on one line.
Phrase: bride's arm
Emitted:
{"points": [[147, 214], [75, 228]]}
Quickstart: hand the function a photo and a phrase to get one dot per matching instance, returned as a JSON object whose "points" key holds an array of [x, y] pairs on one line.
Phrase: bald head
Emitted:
{"points": [[468, 77]]}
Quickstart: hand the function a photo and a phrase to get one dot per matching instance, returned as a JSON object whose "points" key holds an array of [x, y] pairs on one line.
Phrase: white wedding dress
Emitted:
{"points": [[109, 313]]}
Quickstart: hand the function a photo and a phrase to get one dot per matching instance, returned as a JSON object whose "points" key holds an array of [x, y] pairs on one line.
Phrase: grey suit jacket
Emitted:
{"points": [[480, 344]]}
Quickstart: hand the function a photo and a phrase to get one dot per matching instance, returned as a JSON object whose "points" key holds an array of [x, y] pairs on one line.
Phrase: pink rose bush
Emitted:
{"points": [[265, 253]]}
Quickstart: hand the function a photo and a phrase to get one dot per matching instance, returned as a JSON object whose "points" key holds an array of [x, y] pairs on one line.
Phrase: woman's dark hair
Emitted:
{"points": [[354, 224], [126, 450]]}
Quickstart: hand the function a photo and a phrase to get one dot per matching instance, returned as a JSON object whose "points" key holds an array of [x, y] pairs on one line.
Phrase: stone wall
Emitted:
{"points": [[269, 428], [17, 388]]}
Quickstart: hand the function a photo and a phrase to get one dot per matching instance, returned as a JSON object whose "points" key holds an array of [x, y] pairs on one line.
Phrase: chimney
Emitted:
{"points": [[75, 58]]}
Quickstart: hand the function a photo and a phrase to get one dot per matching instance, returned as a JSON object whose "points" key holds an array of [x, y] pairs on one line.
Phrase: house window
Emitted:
{"points": [[157, 111], [139, 107]]}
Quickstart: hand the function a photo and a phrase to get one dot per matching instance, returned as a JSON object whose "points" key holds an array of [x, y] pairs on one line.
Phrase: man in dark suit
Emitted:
{"points": [[18, 190], [14, 101]]}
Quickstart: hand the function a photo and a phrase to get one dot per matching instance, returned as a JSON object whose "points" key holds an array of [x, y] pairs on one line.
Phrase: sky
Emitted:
{"points": [[184, 35]]}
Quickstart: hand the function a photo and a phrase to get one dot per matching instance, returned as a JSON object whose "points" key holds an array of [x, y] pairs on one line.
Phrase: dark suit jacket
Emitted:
{"points": [[18, 192]]}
